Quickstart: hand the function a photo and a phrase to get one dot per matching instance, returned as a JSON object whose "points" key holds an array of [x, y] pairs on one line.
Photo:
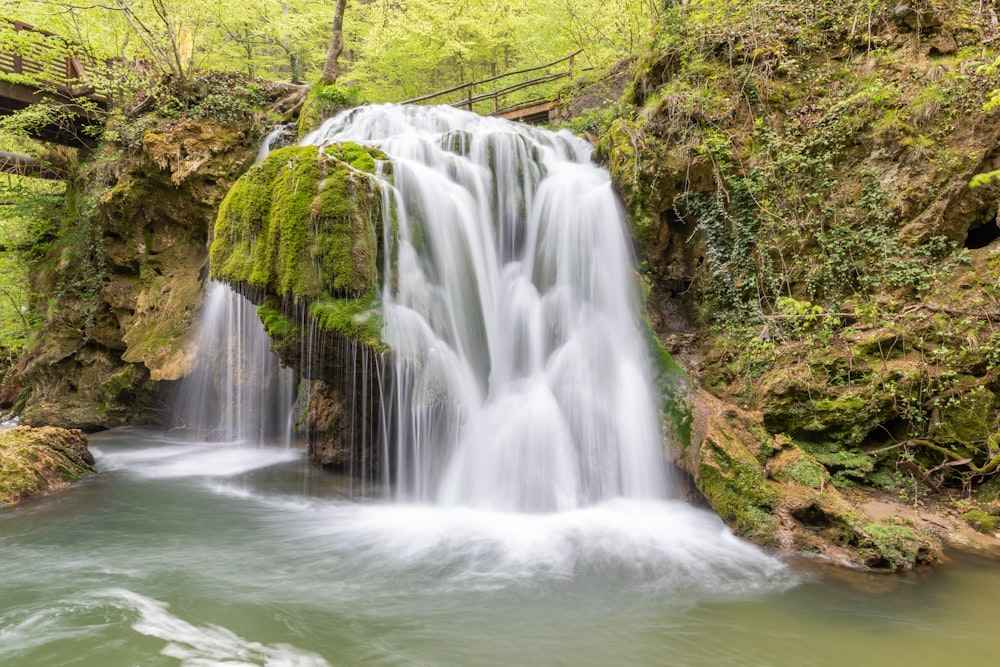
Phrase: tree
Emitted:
{"points": [[330, 68]]}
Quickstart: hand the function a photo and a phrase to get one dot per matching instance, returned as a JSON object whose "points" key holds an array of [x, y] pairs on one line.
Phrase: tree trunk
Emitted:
{"points": [[330, 68]]}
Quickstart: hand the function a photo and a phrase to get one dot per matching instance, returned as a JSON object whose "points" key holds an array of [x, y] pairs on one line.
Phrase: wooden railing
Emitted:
{"points": [[47, 61], [467, 97]]}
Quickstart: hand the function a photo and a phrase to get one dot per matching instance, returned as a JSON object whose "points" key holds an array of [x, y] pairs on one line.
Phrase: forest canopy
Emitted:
{"points": [[394, 49]]}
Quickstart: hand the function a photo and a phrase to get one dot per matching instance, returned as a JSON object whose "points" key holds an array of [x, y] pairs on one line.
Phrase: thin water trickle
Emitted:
{"points": [[237, 389]]}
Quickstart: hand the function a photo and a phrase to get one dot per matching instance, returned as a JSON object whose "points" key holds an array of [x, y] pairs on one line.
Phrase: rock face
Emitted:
{"points": [[301, 233], [820, 264], [36, 460], [119, 280], [774, 493], [125, 276]]}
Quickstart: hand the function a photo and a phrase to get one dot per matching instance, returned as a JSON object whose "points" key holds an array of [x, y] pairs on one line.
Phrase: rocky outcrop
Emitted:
{"points": [[821, 263], [772, 492], [126, 275], [301, 233], [120, 279], [37, 460]]}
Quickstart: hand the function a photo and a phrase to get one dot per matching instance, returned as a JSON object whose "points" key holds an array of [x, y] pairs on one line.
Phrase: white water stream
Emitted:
{"points": [[238, 391], [521, 376]]}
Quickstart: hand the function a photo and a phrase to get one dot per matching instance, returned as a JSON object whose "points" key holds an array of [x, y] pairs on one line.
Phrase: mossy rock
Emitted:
{"points": [[35, 460], [734, 484], [794, 465], [891, 545], [357, 319], [303, 223], [968, 418], [981, 521]]}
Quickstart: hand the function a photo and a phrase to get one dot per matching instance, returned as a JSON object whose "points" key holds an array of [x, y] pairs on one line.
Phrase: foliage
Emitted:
{"points": [[27, 210], [393, 50], [324, 102]]}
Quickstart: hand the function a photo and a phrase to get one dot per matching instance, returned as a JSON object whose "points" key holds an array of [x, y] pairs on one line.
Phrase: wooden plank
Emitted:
{"points": [[528, 114]]}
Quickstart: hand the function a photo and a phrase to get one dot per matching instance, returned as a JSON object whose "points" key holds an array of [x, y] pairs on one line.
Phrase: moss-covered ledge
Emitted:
{"points": [[304, 223], [37, 460]]}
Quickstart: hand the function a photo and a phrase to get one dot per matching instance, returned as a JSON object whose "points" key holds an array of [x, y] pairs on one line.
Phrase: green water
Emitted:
{"points": [[204, 554]]}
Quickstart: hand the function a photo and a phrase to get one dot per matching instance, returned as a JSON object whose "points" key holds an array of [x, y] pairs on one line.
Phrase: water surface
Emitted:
{"points": [[182, 553]]}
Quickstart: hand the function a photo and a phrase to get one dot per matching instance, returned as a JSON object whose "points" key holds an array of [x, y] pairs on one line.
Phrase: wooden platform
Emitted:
{"points": [[537, 113], [472, 97], [45, 68]]}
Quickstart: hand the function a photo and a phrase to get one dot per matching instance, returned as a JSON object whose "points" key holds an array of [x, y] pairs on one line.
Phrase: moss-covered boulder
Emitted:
{"points": [[776, 494], [36, 460], [302, 234], [303, 223]]}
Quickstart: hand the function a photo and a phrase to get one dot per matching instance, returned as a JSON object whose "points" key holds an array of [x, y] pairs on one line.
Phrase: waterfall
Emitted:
{"points": [[519, 378], [237, 389]]}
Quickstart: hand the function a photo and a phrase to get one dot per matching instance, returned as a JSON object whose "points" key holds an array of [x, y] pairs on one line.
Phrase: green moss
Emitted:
{"points": [[891, 546], [969, 417], [737, 491], [981, 521], [302, 223], [359, 157], [359, 319], [848, 468], [792, 464], [809, 473], [279, 328]]}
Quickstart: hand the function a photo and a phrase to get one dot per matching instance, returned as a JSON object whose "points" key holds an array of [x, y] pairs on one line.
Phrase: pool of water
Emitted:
{"points": [[186, 553]]}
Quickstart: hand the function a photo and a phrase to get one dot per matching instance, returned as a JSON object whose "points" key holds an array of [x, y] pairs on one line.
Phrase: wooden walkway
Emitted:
{"points": [[493, 101], [38, 66]]}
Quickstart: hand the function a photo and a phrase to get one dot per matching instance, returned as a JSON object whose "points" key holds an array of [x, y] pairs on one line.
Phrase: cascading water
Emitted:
{"points": [[530, 523], [237, 389], [520, 378], [520, 430]]}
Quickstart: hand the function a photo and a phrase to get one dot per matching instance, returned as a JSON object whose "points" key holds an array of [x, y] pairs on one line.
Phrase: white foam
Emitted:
{"points": [[202, 459], [664, 546], [206, 645]]}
